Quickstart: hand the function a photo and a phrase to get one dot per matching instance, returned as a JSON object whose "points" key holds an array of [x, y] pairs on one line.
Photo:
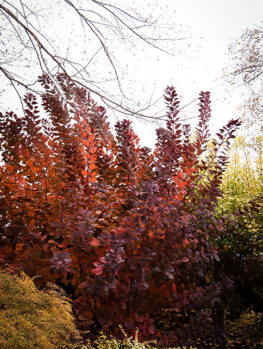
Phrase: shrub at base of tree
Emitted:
{"points": [[30, 318]]}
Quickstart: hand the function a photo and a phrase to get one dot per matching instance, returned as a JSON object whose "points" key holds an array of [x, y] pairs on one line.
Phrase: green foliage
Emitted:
{"points": [[103, 342], [241, 247], [30, 318], [242, 188], [243, 178]]}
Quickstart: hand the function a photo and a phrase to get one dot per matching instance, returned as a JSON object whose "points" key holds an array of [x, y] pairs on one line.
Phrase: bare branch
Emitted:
{"points": [[110, 19]]}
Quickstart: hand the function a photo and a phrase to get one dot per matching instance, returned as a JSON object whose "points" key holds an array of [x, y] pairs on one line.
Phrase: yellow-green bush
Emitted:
{"points": [[30, 318]]}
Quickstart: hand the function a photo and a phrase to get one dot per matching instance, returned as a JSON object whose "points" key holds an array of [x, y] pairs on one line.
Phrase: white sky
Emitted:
{"points": [[213, 25], [199, 60]]}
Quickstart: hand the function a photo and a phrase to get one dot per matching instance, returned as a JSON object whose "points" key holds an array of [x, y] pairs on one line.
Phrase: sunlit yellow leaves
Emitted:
{"points": [[242, 180]]}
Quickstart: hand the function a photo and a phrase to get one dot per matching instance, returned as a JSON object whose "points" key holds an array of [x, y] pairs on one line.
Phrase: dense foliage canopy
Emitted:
{"points": [[130, 234]]}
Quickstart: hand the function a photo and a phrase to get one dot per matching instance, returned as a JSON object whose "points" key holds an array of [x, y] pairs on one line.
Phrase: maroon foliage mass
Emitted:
{"points": [[126, 231]]}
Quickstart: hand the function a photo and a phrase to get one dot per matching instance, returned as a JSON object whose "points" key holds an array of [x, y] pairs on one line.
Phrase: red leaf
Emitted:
{"points": [[138, 318], [186, 242], [95, 242], [180, 174], [151, 328], [98, 271], [84, 284]]}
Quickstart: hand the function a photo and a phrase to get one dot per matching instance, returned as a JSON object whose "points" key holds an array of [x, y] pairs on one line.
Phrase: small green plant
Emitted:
{"points": [[30, 318], [110, 342], [126, 342], [103, 342]]}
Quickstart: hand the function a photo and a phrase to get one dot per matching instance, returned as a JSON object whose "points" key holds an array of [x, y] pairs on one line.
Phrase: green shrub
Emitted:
{"points": [[30, 318]]}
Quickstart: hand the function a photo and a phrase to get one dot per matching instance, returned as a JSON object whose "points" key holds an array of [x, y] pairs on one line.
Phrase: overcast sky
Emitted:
{"points": [[207, 28], [212, 25]]}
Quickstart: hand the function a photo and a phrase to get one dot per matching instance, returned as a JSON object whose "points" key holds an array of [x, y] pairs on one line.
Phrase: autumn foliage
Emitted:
{"points": [[126, 231]]}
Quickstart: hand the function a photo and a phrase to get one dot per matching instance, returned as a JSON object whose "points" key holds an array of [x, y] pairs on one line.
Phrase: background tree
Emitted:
{"points": [[241, 248], [243, 178], [247, 70]]}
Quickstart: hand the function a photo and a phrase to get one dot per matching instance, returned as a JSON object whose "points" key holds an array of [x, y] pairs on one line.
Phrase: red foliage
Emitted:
{"points": [[126, 231]]}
